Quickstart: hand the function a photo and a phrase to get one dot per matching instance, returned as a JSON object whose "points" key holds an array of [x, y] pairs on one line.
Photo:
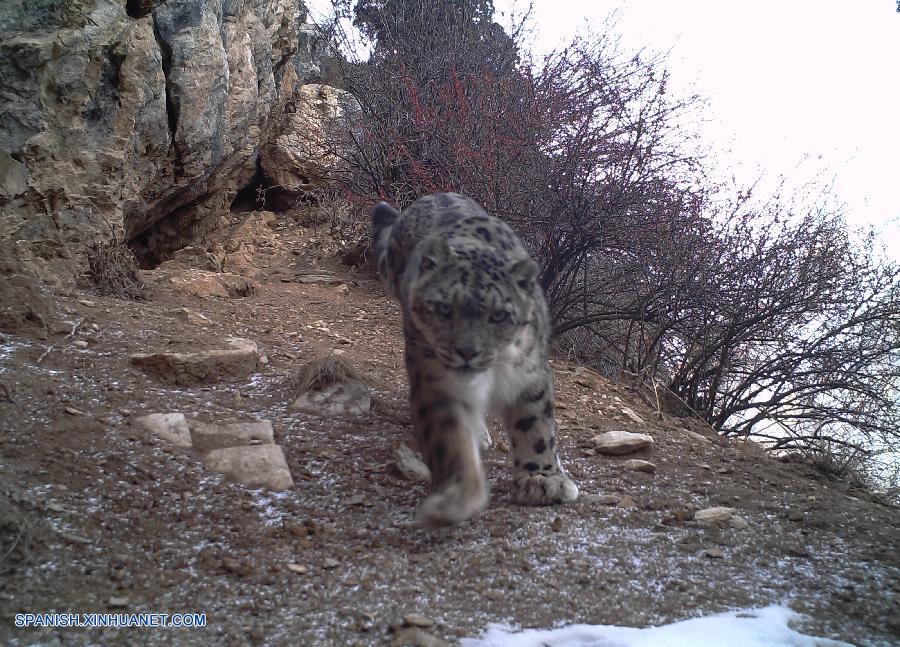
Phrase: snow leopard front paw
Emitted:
{"points": [[535, 488], [453, 504]]}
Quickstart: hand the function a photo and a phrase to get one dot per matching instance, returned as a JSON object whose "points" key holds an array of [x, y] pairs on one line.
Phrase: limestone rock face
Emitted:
{"points": [[140, 127], [301, 158]]}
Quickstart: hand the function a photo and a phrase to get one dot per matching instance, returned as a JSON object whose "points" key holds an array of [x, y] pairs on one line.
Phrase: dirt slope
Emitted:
{"points": [[113, 516]]}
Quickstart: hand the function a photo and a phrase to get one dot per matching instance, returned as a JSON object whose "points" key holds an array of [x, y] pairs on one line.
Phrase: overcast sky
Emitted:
{"points": [[786, 81]]}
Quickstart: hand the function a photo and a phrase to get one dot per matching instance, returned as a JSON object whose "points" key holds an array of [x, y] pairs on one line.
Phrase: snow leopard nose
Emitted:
{"points": [[468, 354]]}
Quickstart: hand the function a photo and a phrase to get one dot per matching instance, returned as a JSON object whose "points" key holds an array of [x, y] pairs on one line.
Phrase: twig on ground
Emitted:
{"points": [[69, 336]]}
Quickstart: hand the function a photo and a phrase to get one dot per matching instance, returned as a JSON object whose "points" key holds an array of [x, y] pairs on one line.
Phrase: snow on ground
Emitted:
{"points": [[764, 627]]}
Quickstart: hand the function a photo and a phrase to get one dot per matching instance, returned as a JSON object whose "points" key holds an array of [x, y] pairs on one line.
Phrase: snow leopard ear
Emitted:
{"points": [[524, 273], [434, 252], [383, 215]]}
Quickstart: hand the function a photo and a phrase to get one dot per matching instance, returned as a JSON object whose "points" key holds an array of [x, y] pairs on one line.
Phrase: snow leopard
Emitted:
{"points": [[476, 330]]}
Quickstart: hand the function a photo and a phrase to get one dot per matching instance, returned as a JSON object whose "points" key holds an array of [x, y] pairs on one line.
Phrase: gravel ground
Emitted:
{"points": [[98, 516]]}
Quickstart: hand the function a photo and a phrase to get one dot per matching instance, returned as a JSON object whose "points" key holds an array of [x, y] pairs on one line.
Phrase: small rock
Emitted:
{"points": [[795, 515], [714, 553], [172, 427], [738, 523], [237, 567], [798, 550], [409, 466], [235, 363], [631, 415], [190, 316], [557, 524], [416, 637], [254, 466], [608, 499], [117, 602], [714, 515], [341, 398], [297, 568], [637, 465], [693, 434], [338, 351], [330, 563], [206, 436], [72, 411], [263, 360], [86, 303], [80, 343], [417, 620], [343, 288], [621, 442], [626, 502], [685, 513]]}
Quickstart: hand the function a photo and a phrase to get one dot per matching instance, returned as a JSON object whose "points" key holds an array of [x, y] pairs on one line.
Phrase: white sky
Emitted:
{"points": [[800, 88], [786, 81]]}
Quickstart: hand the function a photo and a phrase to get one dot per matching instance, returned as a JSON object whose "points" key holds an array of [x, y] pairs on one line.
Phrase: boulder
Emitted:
{"points": [[184, 369], [303, 158], [621, 442], [256, 466]]}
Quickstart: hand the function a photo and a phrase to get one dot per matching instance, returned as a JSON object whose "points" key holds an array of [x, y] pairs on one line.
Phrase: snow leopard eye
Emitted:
{"points": [[443, 309], [498, 316]]}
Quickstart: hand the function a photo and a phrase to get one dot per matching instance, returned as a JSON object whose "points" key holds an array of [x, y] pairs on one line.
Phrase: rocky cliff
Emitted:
{"points": [[136, 118]]}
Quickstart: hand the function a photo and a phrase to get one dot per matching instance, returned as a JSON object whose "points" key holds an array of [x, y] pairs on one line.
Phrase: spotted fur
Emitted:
{"points": [[476, 327]]}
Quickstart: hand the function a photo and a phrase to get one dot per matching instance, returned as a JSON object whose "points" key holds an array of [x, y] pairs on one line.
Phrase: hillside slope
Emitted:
{"points": [[99, 515]]}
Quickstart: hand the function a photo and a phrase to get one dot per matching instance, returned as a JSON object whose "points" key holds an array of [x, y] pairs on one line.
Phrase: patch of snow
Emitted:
{"points": [[764, 627]]}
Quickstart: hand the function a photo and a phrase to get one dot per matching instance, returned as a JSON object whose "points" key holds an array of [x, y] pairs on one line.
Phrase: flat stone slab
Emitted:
{"points": [[339, 399], [256, 466], [621, 442], [206, 436], [172, 427], [184, 369]]}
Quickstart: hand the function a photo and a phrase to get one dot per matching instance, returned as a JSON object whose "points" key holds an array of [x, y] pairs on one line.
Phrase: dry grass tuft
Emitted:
{"points": [[321, 373], [113, 270]]}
